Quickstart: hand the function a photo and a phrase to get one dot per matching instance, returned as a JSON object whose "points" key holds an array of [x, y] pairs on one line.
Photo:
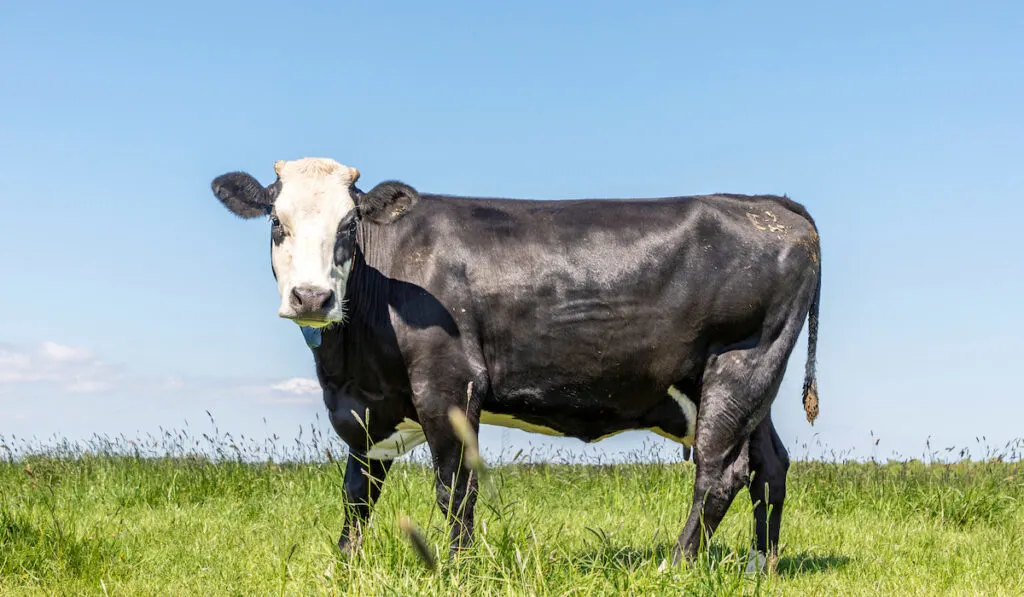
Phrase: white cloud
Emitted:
{"points": [[53, 369], [60, 353], [87, 386], [288, 400], [13, 360], [172, 383], [298, 385], [73, 369], [15, 366]]}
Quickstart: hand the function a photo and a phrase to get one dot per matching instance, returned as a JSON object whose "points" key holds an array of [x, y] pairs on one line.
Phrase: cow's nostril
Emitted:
{"points": [[326, 301], [309, 299]]}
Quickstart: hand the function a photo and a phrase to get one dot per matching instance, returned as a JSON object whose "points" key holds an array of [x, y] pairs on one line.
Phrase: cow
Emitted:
{"points": [[578, 317]]}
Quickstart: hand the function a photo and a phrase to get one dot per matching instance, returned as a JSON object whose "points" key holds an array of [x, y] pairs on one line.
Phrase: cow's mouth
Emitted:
{"points": [[314, 323]]}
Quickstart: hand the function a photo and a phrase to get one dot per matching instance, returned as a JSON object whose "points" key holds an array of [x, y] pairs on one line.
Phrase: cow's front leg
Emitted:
{"points": [[455, 482], [364, 478]]}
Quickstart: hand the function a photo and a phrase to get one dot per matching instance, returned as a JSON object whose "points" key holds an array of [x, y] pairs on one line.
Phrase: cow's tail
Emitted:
{"points": [[810, 382]]}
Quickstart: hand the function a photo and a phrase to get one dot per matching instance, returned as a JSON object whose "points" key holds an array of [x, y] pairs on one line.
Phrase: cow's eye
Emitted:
{"points": [[274, 221]]}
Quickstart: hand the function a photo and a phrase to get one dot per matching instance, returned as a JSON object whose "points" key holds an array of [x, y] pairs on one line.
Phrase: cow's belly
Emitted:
{"points": [[677, 423], [407, 435], [673, 416]]}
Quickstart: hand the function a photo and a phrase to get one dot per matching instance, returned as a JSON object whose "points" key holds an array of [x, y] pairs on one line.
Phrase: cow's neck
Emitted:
{"points": [[362, 353]]}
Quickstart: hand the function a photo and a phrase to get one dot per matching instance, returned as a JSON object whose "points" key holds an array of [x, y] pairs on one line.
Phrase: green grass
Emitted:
{"points": [[75, 524]]}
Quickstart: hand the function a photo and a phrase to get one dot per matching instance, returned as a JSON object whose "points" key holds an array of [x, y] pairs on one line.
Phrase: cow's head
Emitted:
{"points": [[313, 207]]}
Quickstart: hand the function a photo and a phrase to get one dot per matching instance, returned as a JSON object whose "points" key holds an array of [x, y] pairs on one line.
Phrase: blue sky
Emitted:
{"points": [[132, 299]]}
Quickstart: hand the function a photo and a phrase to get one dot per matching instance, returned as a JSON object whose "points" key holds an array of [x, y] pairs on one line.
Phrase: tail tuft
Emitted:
{"points": [[811, 401], [810, 383]]}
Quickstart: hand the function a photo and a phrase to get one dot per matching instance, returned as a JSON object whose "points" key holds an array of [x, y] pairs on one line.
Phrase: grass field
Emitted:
{"points": [[75, 521]]}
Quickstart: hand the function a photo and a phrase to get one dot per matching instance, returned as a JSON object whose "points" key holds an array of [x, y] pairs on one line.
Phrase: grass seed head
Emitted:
{"points": [[464, 431], [418, 541]]}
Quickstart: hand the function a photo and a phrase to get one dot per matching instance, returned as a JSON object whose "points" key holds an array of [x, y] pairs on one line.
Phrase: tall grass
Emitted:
{"points": [[209, 513]]}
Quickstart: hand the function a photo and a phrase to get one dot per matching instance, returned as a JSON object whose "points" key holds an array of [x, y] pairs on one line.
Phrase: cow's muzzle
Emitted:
{"points": [[310, 303]]}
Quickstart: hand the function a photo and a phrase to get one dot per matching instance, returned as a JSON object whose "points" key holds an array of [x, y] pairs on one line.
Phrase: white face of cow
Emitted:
{"points": [[312, 224], [313, 213], [312, 230]]}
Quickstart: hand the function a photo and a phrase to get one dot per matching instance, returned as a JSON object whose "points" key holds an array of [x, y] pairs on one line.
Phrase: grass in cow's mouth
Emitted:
{"points": [[217, 514], [315, 323]]}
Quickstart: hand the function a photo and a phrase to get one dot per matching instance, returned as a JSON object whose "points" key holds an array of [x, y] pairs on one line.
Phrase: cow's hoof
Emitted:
{"points": [[348, 545], [757, 562], [680, 558]]}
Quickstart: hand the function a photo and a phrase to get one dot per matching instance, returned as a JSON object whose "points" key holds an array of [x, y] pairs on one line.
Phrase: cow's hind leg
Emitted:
{"points": [[364, 478], [738, 388], [769, 464], [722, 455]]}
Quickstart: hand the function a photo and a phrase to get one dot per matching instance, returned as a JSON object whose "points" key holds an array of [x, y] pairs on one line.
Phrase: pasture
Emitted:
{"points": [[151, 517]]}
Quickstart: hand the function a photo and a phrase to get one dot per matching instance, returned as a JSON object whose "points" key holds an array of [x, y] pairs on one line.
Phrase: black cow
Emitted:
{"points": [[581, 318]]}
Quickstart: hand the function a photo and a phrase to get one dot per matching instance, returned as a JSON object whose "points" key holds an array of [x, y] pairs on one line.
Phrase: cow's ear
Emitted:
{"points": [[387, 202], [244, 195]]}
